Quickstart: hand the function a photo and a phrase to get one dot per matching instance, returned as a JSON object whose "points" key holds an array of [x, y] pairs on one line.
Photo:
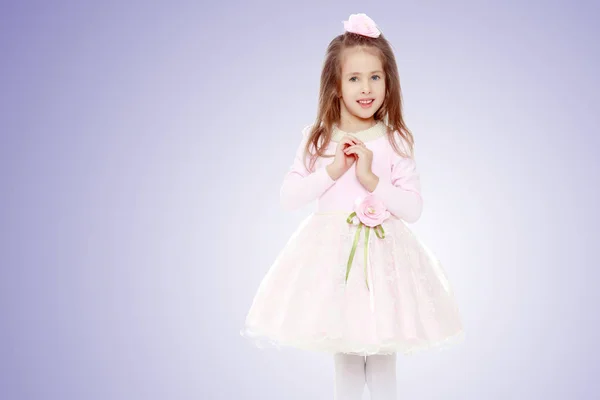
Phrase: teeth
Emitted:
{"points": [[365, 101]]}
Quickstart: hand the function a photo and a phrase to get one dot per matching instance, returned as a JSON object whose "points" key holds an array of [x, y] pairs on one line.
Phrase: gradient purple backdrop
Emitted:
{"points": [[142, 146]]}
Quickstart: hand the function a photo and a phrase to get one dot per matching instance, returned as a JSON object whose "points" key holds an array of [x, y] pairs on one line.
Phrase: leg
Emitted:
{"points": [[381, 376], [349, 376]]}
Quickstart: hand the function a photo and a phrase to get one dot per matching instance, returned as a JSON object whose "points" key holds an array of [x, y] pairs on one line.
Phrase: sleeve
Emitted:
{"points": [[402, 193], [300, 186]]}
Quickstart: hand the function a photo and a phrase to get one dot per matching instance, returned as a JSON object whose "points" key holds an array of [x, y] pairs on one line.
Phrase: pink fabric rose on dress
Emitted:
{"points": [[370, 210], [362, 25]]}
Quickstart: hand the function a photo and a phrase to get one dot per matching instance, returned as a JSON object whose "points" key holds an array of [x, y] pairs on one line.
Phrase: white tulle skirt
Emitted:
{"points": [[397, 300]]}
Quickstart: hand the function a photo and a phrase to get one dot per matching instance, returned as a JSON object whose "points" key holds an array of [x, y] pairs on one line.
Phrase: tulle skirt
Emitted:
{"points": [[397, 300]]}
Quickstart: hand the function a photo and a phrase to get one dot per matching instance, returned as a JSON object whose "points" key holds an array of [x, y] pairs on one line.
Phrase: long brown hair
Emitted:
{"points": [[328, 113]]}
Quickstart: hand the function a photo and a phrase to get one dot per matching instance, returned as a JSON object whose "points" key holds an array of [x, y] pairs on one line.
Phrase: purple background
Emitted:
{"points": [[142, 146]]}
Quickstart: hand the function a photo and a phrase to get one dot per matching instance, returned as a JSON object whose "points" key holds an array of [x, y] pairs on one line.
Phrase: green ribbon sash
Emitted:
{"points": [[380, 234]]}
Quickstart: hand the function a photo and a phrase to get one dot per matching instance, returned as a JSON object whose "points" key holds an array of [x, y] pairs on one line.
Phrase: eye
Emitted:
{"points": [[376, 76], [352, 78]]}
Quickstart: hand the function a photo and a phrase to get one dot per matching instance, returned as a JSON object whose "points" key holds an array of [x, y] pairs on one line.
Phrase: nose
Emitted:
{"points": [[366, 89]]}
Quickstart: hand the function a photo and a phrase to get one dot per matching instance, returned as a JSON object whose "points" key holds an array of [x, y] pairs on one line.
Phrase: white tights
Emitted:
{"points": [[378, 371]]}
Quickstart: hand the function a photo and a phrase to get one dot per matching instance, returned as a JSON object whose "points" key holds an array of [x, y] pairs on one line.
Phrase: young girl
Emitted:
{"points": [[353, 280]]}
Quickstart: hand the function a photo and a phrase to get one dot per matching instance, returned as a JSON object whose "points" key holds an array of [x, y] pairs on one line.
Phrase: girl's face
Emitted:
{"points": [[362, 79]]}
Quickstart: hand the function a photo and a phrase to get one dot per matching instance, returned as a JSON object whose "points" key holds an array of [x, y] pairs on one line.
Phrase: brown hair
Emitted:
{"points": [[319, 136]]}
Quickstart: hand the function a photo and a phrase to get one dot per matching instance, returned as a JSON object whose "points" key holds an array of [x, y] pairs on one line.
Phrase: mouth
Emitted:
{"points": [[366, 103]]}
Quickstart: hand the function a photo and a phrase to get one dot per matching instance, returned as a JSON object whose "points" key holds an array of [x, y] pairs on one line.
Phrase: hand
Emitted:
{"points": [[342, 161], [364, 161]]}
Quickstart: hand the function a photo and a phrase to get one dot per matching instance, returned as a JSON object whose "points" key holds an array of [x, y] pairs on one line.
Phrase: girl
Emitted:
{"points": [[353, 280]]}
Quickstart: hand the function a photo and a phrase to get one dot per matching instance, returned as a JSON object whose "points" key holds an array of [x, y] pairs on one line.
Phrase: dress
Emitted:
{"points": [[396, 299]]}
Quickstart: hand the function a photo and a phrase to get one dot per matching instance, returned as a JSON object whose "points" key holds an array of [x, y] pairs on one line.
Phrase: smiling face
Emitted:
{"points": [[362, 79]]}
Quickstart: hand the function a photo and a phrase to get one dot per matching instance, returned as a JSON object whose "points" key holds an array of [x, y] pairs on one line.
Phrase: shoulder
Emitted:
{"points": [[402, 144], [400, 141], [306, 130]]}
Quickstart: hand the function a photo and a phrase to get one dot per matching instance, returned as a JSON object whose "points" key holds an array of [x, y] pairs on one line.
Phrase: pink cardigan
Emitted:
{"points": [[399, 184]]}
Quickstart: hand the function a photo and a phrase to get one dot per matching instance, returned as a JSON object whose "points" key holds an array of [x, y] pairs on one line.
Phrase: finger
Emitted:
{"points": [[349, 144], [356, 149], [350, 141], [362, 147], [346, 140], [355, 139]]}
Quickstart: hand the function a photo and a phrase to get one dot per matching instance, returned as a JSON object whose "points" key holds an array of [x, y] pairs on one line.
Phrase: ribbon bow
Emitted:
{"points": [[378, 231]]}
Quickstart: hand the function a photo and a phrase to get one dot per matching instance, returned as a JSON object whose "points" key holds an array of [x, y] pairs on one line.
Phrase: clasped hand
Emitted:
{"points": [[350, 149]]}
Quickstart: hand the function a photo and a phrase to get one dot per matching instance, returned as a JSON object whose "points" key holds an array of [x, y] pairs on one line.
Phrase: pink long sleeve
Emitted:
{"points": [[300, 186], [402, 193]]}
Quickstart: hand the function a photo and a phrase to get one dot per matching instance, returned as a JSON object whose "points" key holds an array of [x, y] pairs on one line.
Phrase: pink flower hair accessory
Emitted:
{"points": [[361, 24]]}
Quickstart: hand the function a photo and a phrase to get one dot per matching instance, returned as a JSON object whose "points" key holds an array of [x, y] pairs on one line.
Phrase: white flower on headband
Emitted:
{"points": [[362, 25]]}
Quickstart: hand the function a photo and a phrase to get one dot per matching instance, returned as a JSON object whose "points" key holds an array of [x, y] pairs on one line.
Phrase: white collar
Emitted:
{"points": [[376, 131]]}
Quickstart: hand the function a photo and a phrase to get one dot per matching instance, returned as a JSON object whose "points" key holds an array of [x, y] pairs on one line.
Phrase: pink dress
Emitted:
{"points": [[399, 300]]}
